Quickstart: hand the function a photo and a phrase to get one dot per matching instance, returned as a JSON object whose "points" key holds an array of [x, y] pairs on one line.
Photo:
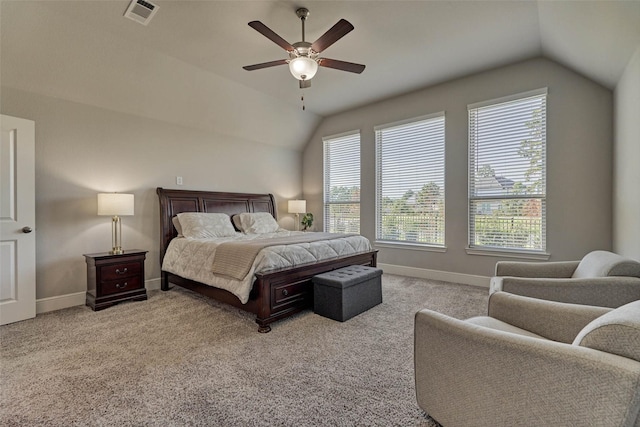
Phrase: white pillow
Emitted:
{"points": [[200, 225], [236, 221], [256, 222], [178, 227]]}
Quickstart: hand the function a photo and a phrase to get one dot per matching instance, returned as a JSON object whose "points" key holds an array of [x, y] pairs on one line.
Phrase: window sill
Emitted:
{"points": [[506, 253], [410, 246]]}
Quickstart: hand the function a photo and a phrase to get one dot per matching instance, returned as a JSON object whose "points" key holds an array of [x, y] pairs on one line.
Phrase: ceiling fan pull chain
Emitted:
{"points": [[302, 99]]}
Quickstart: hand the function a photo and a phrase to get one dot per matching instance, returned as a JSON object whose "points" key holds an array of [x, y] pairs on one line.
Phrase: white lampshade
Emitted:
{"points": [[297, 206], [303, 67], [115, 204]]}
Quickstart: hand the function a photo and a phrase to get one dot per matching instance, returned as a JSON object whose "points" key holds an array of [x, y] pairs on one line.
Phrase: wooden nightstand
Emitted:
{"points": [[115, 278]]}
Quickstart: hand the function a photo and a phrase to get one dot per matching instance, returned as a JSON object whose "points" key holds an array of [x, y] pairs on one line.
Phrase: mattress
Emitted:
{"points": [[193, 258]]}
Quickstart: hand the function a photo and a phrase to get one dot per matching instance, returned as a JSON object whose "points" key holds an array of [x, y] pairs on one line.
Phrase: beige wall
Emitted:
{"points": [[579, 141], [626, 161], [82, 150]]}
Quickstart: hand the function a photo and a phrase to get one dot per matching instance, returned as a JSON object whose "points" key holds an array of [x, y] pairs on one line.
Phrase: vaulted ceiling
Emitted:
{"points": [[185, 67]]}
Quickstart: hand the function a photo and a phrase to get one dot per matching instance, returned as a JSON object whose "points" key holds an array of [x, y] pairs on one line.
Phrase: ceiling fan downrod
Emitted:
{"points": [[303, 14]]}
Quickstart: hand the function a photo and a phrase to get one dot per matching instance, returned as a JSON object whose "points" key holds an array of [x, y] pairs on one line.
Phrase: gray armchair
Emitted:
{"points": [[530, 362], [601, 278]]}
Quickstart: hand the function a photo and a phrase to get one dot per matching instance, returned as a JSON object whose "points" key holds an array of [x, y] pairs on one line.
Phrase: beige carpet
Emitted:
{"points": [[180, 359]]}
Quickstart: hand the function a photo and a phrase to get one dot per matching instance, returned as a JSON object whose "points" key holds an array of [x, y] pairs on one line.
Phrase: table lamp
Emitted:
{"points": [[297, 207], [115, 205]]}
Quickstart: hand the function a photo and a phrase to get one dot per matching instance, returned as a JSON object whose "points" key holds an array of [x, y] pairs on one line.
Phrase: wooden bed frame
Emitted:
{"points": [[276, 294]]}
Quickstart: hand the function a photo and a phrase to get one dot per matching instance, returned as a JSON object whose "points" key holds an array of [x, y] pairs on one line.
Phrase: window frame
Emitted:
{"points": [[404, 243], [326, 203], [472, 248]]}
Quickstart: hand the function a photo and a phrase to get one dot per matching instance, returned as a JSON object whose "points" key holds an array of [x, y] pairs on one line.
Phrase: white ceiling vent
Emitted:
{"points": [[141, 11]]}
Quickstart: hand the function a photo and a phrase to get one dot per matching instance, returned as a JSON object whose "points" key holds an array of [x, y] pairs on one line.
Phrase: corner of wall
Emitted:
{"points": [[626, 158]]}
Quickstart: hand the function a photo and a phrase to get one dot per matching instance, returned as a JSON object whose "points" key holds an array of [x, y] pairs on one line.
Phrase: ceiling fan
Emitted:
{"points": [[303, 56]]}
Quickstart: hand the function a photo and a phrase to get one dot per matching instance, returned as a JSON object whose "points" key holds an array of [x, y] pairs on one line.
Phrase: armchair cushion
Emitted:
{"points": [[552, 320], [603, 264], [616, 332], [597, 291], [499, 325]]}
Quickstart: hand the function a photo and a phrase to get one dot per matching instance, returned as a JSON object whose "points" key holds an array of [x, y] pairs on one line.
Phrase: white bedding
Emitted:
{"points": [[193, 258]]}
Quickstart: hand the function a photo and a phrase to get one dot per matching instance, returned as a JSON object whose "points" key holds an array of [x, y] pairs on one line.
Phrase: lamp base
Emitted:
{"points": [[116, 236]]}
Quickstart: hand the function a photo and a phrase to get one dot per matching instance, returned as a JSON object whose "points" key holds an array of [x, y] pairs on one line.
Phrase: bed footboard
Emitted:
{"points": [[277, 294], [290, 291]]}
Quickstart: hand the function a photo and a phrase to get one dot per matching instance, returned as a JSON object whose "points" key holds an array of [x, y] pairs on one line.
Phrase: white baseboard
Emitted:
{"points": [[152, 284], [59, 302], [447, 276]]}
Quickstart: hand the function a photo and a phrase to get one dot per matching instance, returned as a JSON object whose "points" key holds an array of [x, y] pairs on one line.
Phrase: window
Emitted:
{"points": [[342, 183], [410, 181], [507, 173]]}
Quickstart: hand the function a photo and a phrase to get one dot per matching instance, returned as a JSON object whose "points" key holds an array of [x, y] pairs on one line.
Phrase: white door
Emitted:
{"points": [[17, 220]]}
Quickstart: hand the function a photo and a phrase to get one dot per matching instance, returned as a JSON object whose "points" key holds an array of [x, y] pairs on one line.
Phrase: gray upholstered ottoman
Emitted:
{"points": [[346, 292]]}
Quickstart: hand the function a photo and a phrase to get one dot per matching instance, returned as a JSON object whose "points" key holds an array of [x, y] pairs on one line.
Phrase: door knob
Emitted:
{"points": [[26, 230]]}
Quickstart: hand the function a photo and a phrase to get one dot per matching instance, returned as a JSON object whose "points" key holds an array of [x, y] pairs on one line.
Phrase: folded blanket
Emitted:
{"points": [[234, 259]]}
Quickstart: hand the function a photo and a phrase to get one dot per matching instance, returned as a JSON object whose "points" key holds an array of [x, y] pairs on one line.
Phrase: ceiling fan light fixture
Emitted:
{"points": [[303, 67]]}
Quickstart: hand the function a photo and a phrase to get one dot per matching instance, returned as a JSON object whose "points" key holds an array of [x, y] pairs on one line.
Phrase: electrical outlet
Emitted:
{"points": [[178, 180]]}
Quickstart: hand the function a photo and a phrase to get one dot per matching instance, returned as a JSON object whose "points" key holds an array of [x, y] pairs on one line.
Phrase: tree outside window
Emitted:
{"points": [[507, 173]]}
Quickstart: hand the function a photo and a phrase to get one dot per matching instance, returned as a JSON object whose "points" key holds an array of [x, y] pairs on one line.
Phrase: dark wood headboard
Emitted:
{"points": [[173, 202]]}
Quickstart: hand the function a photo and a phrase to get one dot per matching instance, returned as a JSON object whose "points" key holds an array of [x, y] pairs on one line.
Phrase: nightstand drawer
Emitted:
{"points": [[122, 285], [120, 271]]}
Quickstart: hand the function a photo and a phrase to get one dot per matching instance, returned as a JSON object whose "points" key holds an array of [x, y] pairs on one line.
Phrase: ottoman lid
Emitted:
{"points": [[347, 276]]}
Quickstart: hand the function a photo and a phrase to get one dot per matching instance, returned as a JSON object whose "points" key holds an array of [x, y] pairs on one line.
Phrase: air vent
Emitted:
{"points": [[141, 11]]}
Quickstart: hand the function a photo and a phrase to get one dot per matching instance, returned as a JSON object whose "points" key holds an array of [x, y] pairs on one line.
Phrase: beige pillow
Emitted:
{"points": [[200, 225], [256, 222], [616, 332]]}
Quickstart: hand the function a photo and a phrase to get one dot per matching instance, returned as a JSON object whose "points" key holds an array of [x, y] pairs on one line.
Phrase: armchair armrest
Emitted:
{"points": [[556, 321], [467, 375], [555, 269], [610, 291]]}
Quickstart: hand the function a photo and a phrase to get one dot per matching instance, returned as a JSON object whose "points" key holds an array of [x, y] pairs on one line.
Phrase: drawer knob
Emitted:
{"points": [[285, 292], [121, 272], [119, 286]]}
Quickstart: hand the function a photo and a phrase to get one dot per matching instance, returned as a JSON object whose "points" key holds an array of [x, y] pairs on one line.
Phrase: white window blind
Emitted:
{"points": [[410, 181], [342, 183], [507, 173]]}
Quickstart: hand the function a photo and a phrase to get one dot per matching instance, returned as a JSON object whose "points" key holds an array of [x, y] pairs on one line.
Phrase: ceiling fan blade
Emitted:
{"points": [[341, 65], [334, 34], [268, 33], [265, 65]]}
